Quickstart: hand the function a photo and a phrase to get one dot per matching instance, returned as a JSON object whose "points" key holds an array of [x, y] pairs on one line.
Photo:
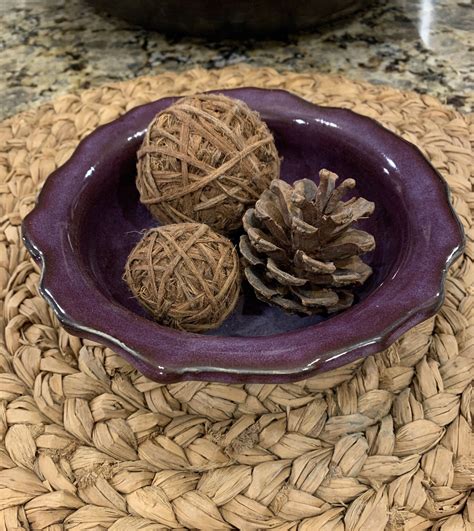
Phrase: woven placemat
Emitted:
{"points": [[88, 443]]}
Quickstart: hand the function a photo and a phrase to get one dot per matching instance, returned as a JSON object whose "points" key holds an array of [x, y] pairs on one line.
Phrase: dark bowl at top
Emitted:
{"points": [[226, 19], [88, 217]]}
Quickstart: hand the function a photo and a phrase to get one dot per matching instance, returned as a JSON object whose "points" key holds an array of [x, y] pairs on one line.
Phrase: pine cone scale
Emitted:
{"points": [[322, 297], [282, 276], [283, 193], [351, 242], [249, 256], [300, 250], [263, 245], [262, 289], [310, 265], [271, 218]]}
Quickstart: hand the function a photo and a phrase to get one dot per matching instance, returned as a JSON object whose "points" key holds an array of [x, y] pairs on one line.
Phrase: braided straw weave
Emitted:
{"points": [[186, 274], [88, 443]]}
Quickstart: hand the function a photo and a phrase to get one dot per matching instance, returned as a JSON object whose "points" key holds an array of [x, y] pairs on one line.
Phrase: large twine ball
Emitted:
{"points": [[206, 158], [186, 275]]}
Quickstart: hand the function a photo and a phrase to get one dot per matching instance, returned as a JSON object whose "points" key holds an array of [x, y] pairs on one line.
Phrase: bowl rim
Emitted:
{"points": [[239, 358]]}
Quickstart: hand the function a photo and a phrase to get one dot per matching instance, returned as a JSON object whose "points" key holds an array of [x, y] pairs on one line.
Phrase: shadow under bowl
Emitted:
{"points": [[88, 217]]}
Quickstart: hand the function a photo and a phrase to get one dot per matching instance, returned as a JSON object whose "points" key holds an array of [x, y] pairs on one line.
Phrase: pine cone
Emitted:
{"points": [[300, 251]]}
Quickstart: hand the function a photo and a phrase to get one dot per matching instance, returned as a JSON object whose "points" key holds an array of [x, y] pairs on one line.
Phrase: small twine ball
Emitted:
{"points": [[205, 158], [186, 275]]}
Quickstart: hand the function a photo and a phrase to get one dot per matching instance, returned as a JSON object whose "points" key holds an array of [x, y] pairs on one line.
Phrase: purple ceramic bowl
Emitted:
{"points": [[88, 217]]}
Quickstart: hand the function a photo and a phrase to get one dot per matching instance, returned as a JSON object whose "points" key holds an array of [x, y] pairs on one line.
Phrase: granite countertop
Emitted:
{"points": [[50, 48]]}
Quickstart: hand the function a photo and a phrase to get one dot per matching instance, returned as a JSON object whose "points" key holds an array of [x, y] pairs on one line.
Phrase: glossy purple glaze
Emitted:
{"points": [[88, 217]]}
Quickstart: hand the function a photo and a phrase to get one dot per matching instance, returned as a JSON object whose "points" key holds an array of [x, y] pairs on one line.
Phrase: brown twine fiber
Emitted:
{"points": [[87, 443], [206, 158], [186, 274]]}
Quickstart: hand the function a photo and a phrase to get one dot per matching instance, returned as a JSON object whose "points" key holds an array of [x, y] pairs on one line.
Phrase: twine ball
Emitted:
{"points": [[206, 158], [186, 275]]}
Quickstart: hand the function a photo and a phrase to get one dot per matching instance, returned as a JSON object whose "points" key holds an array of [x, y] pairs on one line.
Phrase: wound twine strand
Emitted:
{"points": [[205, 158], [186, 275], [86, 441]]}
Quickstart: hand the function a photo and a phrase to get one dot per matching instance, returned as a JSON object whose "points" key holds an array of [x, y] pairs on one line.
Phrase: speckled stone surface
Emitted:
{"points": [[48, 48]]}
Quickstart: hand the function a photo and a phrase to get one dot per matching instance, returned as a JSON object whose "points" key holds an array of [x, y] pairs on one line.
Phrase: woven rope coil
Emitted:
{"points": [[205, 158], [88, 443], [186, 274]]}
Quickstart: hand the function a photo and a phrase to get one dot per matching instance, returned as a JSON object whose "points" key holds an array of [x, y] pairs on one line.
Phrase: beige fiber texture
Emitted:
{"points": [[88, 443], [186, 275], [206, 158]]}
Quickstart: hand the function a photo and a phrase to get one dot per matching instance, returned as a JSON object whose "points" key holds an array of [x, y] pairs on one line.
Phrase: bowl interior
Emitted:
{"points": [[112, 217]]}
